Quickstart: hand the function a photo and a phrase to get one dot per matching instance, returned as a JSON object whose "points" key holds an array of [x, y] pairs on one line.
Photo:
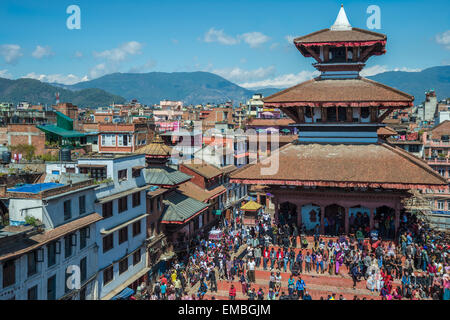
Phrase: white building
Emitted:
{"points": [[255, 105], [120, 236], [37, 262]]}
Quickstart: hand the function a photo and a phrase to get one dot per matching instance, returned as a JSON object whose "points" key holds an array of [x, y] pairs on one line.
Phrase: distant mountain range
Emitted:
{"points": [[191, 88], [416, 83], [35, 91], [151, 88]]}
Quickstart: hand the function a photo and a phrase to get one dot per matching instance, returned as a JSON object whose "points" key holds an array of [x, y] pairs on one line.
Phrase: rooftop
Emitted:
{"points": [[35, 188], [351, 92], [328, 165]]}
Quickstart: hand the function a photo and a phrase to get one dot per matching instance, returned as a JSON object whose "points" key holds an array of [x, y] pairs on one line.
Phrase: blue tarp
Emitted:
{"points": [[36, 188], [125, 294]]}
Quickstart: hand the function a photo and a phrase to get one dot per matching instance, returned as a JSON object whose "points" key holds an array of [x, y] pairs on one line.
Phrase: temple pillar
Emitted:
{"points": [[299, 215], [322, 216], [372, 213], [397, 219], [346, 220], [275, 217]]}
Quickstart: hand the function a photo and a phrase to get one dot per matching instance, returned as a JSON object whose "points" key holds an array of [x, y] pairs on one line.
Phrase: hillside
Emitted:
{"points": [[204, 87], [35, 91], [416, 83], [151, 88]]}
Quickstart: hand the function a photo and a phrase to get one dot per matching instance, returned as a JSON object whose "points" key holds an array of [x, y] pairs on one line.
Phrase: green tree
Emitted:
{"points": [[27, 150]]}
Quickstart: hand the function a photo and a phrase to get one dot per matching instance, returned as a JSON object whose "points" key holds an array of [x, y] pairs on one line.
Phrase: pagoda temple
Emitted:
{"points": [[339, 173]]}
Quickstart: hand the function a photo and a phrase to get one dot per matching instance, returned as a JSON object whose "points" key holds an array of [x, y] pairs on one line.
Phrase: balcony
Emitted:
{"points": [[438, 161]]}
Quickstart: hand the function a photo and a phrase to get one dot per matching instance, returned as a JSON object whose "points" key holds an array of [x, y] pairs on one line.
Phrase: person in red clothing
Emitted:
{"points": [[163, 280], [232, 293], [266, 257]]}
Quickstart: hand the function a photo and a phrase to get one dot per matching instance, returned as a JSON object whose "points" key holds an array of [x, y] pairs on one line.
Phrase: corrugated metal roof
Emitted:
{"points": [[165, 176], [179, 208], [54, 129]]}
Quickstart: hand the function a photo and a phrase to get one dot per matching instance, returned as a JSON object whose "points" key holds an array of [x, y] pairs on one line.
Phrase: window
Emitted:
{"points": [[342, 114], [440, 205], [122, 174], [51, 288], [83, 269], [51, 253], [158, 203], [123, 204], [137, 257], [136, 228], [107, 209], [67, 210], [32, 293], [135, 172], [331, 114], [365, 113], [32, 263], [9, 273], [136, 199], [123, 265], [82, 204], [108, 275], [84, 235], [83, 294], [67, 246], [124, 140], [108, 242], [109, 140], [123, 235]]}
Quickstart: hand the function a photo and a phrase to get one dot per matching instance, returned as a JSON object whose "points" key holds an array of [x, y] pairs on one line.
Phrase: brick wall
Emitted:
{"points": [[196, 178]]}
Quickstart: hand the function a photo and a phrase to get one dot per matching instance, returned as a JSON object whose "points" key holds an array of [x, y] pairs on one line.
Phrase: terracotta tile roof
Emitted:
{"points": [[40, 239], [386, 131], [190, 189], [442, 129], [202, 168], [374, 166], [354, 35], [338, 91]]}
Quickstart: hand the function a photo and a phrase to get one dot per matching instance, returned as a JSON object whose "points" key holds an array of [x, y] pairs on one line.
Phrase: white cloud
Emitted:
{"points": [[282, 81], [371, 71], [10, 52], [149, 65], [444, 39], [254, 39], [274, 45], [101, 69], [5, 74], [289, 39], [59, 78], [239, 75], [214, 35], [120, 53], [78, 54], [42, 52]]}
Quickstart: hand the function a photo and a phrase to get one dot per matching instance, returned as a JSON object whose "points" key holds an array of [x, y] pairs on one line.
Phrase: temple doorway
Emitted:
{"points": [[359, 218], [334, 220], [288, 213], [384, 222]]}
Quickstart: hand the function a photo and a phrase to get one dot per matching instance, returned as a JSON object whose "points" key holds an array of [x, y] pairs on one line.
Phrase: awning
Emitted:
{"points": [[122, 194], [91, 166], [125, 294], [138, 167], [120, 226], [129, 281], [167, 256], [53, 129]]}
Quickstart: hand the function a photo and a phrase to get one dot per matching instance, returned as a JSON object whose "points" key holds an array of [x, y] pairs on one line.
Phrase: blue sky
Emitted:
{"points": [[247, 41]]}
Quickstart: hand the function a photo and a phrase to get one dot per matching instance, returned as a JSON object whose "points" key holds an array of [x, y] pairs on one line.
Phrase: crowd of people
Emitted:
{"points": [[416, 266]]}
